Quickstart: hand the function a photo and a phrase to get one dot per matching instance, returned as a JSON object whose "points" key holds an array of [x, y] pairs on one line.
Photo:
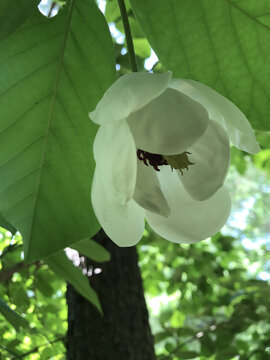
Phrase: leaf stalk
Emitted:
{"points": [[129, 41]]}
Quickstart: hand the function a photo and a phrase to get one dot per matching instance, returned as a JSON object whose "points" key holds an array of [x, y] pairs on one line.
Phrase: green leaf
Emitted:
{"points": [[186, 354], [207, 345], [18, 296], [135, 28], [177, 319], [42, 283], [224, 44], [13, 14], [54, 71], [5, 224], [238, 160], [112, 12], [142, 48], [12, 317], [263, 139], [92, 250], [226, 354], [63, 267], [186, 331], [160, 336]]}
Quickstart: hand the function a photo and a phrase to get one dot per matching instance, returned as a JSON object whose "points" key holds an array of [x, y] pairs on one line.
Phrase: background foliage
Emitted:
{"points": [[208, 301]]}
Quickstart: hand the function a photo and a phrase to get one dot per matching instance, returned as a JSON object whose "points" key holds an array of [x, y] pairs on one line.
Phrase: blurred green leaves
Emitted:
{"points": [[212, 287], [12, 317], [53, 71], [224, 44]]}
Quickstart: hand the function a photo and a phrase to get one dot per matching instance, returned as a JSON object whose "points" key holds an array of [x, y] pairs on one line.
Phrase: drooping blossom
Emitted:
{"points": [[162, 153]]}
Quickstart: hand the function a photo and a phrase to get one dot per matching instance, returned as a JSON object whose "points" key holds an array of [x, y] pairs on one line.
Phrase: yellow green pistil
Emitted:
{"points": [[178, 162]]}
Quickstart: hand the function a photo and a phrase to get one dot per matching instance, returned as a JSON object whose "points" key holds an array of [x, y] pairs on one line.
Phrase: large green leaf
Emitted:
{"points": [[63, 267], [222, 43], [53, 71], [92, 250], [12, 317], [13, 14], [5, 224]]}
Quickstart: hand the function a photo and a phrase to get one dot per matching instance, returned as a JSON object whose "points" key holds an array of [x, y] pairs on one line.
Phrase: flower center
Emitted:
{"points": [[154, 160], [179, 162]]}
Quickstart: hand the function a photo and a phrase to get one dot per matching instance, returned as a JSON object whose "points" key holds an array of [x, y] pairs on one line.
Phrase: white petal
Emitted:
{"points": [[211, 158], [115, 156], [223, 110], [169, 124], [123, 224], [190, 220], [148, 193], [129, 93]]}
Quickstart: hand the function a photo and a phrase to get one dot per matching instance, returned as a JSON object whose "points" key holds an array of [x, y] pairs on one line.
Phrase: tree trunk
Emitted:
{"points": [[123, 333]]}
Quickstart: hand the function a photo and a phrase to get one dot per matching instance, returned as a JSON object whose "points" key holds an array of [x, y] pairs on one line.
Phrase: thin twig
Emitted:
{"points": [[51, 9]]}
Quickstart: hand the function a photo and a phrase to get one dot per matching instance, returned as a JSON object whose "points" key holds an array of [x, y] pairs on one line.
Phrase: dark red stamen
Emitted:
{"points": [[154, 160]]}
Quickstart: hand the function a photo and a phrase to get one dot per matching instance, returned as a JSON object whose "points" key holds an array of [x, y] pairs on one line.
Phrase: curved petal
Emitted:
{"points": [[211, 158], [169, 124], [115, 156], [190, 220], [129, 93], [148, 193], [223, 110], [123, 224]]}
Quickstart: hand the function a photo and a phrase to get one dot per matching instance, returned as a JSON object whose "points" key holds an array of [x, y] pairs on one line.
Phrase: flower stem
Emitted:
{"points": [[130, 47]]}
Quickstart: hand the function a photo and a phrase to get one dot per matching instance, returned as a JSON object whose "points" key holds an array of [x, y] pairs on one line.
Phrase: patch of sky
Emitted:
{"points": [[151, 61], [238, 219], [48, 8], [102, 5], [264, 275], [30, 293], [249, 218], [250, 200], [118, 36]]}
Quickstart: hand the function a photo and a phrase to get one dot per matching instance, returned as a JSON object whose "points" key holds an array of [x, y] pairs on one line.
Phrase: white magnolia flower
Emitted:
{"points": [[162, 153]]}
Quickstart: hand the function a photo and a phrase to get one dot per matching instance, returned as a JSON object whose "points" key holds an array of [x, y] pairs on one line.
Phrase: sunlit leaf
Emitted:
{"points": [[224, 44], [53, 71], [142, 48], [112, 12]]}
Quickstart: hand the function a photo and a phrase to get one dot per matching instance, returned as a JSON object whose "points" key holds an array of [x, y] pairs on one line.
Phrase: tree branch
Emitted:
{"points": [[6, 275]]}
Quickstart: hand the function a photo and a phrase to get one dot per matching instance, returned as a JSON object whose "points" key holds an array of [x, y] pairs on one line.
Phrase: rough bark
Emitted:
{"points": [[123, 333]]}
